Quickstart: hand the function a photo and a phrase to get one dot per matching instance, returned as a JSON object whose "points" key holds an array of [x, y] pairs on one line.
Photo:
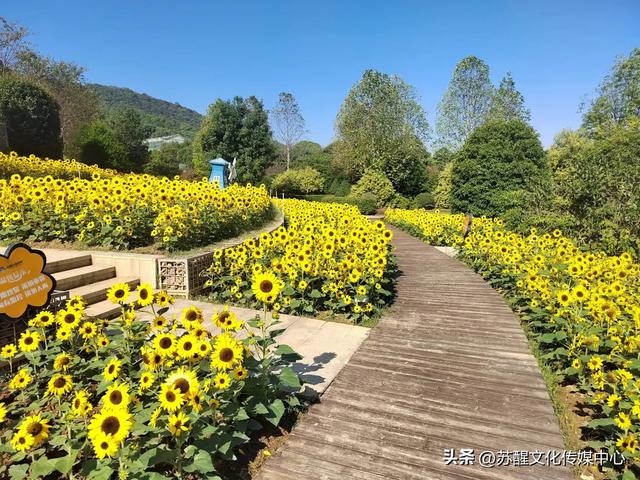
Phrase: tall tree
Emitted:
{"points": [[65, 82], [126, 125], [288, 121], [237, 128], [381, 126], [13, 41], [508, 102], [618, 97], [465, 104]]}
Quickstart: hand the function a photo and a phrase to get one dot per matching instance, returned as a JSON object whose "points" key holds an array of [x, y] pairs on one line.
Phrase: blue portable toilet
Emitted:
{"points": [[219, 171]]}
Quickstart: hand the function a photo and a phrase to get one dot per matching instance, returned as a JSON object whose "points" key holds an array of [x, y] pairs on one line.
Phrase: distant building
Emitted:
{"points": [[156, 142]]}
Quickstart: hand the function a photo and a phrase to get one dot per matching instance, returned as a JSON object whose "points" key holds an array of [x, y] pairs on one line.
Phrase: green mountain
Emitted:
{"points": [[159, 116]]}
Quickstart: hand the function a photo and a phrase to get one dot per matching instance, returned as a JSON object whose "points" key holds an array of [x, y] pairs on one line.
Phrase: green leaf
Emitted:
{"points": [[241, 415], [104, 472], [276, 410], [600, 422], [65, 464], [629, 475], [42, 467], [289, 379], [18, 472], [288, 291], [315, 294], [202, 463], [286, 350], [295, 303], [157, 455]]}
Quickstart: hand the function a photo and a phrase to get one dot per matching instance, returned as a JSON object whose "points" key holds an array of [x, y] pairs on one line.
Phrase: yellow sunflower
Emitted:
{"points": [[69, 319], [145, 294], [114, 422], [266, 287], [153, 419], [222, 381], [151, 359], [159, 322], [226, 320], [8, 351], [63, 334], [119, 293], [185, 381], [3, 412], [102, 341], [191, 317], [80, 404], [112, 370], [37, 427], [227, 351], [170, 397], [116, 396], [165, 344], [45, 318], [21, 441], [187, 346], [178, 423], [196, 402], [146, 380], [163, 299], [21, 380], [240, 373], [104, 446], [59, 384], [88, 330], [29, 341], [62, 361]]}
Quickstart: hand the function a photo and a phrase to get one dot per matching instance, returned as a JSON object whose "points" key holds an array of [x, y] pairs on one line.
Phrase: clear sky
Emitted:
{"points": [[193, 52]]}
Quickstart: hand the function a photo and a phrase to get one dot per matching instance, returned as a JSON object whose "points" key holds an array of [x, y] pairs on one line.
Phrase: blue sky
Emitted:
{"points": [[193, 52]]}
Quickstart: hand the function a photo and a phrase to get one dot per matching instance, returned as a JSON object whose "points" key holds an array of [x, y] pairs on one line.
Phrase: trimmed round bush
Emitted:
{"points": [[376, 184], [301, 181], [425, 200], [497, 158], [31, 117]]}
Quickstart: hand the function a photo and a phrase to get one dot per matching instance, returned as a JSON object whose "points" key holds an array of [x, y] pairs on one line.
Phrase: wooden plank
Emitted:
{"points": [[448, 367]]}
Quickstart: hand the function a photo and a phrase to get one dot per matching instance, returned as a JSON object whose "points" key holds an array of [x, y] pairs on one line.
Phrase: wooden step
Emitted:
{"points": [[78, 277], [59, 261], [103, 309], [96, 292]]}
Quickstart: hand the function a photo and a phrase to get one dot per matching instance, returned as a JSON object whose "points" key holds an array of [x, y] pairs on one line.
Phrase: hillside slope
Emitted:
{"points": [[162, 117]]}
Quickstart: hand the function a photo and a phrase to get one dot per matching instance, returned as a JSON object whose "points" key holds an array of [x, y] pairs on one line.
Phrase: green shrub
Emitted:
{"points": [[400, 201], [498, 157], [425, 200], [98, 145], [366, 204], [376, 184], [442, 192], [31, 117], [298, 182], [339, 187]]}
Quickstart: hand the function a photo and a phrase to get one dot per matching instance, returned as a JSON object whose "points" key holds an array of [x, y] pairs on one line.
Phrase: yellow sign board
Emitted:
{"points": [[22, 280]]}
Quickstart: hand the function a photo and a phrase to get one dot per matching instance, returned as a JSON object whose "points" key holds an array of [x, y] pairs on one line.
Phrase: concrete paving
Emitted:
{"points": [[325, 347]]}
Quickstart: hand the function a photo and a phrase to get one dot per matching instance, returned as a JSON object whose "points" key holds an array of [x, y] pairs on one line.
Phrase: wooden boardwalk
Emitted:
{"points": [[448, 367]]}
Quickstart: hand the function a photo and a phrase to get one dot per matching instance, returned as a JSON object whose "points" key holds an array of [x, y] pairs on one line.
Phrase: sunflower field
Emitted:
{"points": [[37, 167], [126, 211], [146, 398], [328, 258], [583, 308]]}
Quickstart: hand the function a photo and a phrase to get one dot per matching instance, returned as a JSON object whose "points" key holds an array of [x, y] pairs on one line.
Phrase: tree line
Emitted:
{"points": [[482, 156]]}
